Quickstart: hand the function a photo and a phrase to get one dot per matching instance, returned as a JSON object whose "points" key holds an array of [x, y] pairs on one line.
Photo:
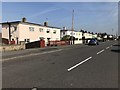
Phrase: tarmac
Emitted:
{"points": [[11, 54]]}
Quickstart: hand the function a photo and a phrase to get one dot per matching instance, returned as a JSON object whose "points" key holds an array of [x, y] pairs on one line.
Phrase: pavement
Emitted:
{"points": [[75, 66], [8, 55]]}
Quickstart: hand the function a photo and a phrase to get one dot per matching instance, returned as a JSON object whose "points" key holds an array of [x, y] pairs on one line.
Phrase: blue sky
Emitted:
{"points": [[90, 16]]}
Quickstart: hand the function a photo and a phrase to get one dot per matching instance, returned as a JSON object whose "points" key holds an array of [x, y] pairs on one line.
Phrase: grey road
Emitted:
{"points": [[77, 66]]}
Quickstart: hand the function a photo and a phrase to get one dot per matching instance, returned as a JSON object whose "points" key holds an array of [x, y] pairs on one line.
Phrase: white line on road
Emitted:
{"points": [[31, 55], [107, 47], [100, 51], [78, 64]]}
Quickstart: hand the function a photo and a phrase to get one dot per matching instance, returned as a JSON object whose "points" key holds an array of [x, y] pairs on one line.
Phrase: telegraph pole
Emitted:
{"points": [[72, 41], [112, 34], [47, 19], [112, 31]]}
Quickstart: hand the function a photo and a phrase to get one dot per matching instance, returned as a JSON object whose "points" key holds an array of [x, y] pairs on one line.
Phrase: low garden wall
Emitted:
{"points": [[12, 47]]}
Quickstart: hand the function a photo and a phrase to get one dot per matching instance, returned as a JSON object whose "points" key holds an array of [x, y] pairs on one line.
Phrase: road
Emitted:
{"points": [[77, 66]]}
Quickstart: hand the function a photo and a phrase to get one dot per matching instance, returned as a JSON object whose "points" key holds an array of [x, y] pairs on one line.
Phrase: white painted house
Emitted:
{"points": [[76, 34], [94, 36], [22, 31], [87, 35], [80, 36]]}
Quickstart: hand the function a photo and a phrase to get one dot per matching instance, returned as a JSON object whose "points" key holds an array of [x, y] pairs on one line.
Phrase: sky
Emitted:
{"points": [[90, 16]]}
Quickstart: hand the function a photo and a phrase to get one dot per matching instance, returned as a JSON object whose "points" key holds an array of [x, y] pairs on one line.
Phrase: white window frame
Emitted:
{"points": [[41, 29], [31, 29], [48, 31], [54, 31]]}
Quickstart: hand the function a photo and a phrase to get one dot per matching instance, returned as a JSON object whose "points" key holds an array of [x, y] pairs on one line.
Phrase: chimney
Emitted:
{"points": [[64, 28], [23, 19], [45, 23]]}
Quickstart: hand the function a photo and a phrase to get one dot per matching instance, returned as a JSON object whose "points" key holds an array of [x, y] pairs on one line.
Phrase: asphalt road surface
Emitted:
{"points": [[77, 66]]}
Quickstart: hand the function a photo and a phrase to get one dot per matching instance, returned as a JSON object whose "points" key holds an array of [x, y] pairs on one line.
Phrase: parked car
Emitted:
{"points": [[93, 42]]}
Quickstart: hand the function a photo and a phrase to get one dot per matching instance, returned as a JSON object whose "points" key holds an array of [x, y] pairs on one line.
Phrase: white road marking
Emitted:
{"points": [[34, 89], [100, 51], [30, 55], [78, 64], [107, 47]]}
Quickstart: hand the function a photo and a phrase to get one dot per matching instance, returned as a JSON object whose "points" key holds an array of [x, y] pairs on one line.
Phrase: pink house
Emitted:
{"points": [[22, 31]]}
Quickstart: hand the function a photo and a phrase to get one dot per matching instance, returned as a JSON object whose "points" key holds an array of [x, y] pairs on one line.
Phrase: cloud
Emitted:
{"points": [[43, 12]]}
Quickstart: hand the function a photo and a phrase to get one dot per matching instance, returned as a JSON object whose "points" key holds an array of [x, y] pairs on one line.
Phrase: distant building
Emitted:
{"points": [[22, 31], [76, 34], [94, 36], [87, 35]]}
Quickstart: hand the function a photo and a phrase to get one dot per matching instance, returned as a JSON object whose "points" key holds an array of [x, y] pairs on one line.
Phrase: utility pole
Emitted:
{"points": [[72, 41], [47, 19], [116, 34], [112, 34], [112, 31]]}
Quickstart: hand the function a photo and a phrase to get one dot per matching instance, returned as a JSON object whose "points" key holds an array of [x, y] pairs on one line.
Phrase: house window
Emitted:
{"points": [[31, 28], [63, 33], [76, 38], [25, 40], [72, 33], [28, 40], [54, 31], [48, 39], [48, 31], [41, 29], [41, 38]]}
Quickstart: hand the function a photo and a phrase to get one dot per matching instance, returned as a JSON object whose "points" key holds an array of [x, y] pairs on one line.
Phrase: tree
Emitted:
{"points": [[66, 37]]}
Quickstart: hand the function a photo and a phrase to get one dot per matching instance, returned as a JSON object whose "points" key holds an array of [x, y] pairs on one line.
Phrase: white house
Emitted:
{"points": [[22, 31], [94, 36], [76, 34], [87, 35]]}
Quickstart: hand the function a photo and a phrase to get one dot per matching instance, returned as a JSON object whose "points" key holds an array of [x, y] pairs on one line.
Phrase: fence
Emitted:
{"points": [[58, 43], [36, 44]]}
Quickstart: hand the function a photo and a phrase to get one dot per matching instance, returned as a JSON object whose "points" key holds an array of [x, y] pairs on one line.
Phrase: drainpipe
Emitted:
{"points": [[9, 25]]}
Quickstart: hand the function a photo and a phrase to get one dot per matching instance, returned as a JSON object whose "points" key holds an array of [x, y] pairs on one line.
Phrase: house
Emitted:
{"points": [[94, 36], [23, 31], [0, 38], [87, 35], [76, 35]]}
